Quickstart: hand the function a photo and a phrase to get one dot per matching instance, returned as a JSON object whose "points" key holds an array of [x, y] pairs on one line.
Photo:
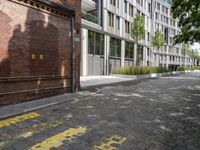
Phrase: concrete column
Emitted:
{"points": [[106, 54], [122, 53], [84, 52]]}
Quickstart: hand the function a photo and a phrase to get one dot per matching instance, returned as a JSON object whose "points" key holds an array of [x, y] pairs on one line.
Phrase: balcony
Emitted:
{"points": [[90, 11], [89, 17], [89, 5]]}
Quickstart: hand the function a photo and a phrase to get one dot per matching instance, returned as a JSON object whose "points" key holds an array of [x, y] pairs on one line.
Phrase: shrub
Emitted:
{"points": [[138, 70], [188, 68]]}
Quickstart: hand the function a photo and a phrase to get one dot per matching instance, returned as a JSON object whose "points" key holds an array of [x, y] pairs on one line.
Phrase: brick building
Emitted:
{"points": [[37, 46]]}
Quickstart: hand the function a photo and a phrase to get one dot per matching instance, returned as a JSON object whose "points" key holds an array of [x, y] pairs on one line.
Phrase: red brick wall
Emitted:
{"points": [[35, 51]]}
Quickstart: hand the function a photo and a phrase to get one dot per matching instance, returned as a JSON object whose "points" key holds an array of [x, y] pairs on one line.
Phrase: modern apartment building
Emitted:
{"points": [[107, 42]]}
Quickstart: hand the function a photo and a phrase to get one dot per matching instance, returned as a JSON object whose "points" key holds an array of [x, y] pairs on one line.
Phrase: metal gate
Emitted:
{"points": [[95, 54], [95, 64]]}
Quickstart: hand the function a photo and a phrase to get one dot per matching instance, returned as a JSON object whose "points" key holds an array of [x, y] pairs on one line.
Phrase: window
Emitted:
{"points": [[177, 50], [111, 19], [129, 49], [118, 23], [127, 30], [148, 36], [91, 42], [142, 3], [112, 2], [171, 22], [139, 53], [174, 23], [166, 11], [115, 47], [149, 8], [125, 6], [161, 16], [138, 1], [130, 10], [148, 52], [117, 3], [158, 6], [95, 43], [163, 9], [167, 20]]}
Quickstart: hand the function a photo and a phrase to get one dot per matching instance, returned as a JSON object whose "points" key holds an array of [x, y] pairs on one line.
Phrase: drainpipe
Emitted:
{"points": [[73, 73]]}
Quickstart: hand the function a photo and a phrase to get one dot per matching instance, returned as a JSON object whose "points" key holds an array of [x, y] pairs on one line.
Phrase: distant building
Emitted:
{"points": [[37, 42], [107, 42]]}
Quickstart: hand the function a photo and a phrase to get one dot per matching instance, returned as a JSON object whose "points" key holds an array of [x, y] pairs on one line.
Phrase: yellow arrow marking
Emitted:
{"points": [[17, 119], [57, 140], [107, 143]]}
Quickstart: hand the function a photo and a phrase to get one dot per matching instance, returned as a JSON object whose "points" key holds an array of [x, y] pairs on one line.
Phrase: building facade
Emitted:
{"points": [[39, 48], [107, 42]]}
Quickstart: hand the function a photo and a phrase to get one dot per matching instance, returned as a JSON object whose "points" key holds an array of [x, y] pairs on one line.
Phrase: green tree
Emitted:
{"points": [[185, 50], [188, 14], [158, 39], [194, 54], [138, 33]]}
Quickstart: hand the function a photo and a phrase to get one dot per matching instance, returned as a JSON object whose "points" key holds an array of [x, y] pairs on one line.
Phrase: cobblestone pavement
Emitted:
{"points": [[151, 114]]}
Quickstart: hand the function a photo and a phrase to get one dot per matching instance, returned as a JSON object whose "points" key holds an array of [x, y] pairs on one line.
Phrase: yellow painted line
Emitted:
{"points": [[17, 119], [57, 140], [109, 143], [26, 133]]}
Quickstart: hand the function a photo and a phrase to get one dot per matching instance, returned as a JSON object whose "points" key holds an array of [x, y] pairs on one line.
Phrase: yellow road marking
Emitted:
{"points": [[26, 133], [107, 143], [17, 119], [37, 128], [58, 139]]}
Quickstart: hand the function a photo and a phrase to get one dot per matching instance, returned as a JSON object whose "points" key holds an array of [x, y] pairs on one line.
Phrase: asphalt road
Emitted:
{"points": [[150, 114]]}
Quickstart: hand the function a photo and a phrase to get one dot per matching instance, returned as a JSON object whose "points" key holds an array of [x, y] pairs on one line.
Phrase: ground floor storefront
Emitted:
{"points": [[102, 52]]}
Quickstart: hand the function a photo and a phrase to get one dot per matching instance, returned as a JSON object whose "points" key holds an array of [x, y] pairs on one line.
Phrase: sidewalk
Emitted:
{"points": [[89, 81], [24, 107]]}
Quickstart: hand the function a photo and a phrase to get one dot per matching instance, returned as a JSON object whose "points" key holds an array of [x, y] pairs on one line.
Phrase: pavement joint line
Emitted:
{"points": [[41, 107]]}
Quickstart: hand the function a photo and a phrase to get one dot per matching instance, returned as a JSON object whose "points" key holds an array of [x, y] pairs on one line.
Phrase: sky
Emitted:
{"points": [[196, 46]]}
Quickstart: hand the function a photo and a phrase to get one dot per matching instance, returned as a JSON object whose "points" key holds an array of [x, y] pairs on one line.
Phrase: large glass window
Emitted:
{"points": [[115, 47], [95, 43], [91, 42], [129, 48], [139, 53]]}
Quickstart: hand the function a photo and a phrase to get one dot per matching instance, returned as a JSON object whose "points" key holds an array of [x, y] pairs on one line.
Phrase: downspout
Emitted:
{"points": [[73, 73]]}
